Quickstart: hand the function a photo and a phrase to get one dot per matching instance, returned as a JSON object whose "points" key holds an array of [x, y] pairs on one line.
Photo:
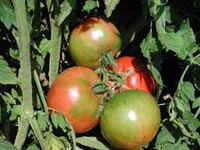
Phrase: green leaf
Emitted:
{"points": [[90, 5], [5, 145], [196, 103], [7, 76], [14, 53], [15, 112], [44, 47], [187, 91], [65, 10], [42, 119], [54, 119], [54, 143], [32, 147], [164, 136], [182, 42], [91, 142], [7, 15], [148, 46], [110, 6], [189, 120]]}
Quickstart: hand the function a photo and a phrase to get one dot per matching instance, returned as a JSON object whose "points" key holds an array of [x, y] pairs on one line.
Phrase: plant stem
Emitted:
{"points": [[182, 76], [55, 42], [25, 70], [27, 111], [42, 97]]}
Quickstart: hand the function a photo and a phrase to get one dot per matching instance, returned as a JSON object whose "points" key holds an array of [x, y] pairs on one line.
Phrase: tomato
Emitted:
{"points": [[130, 119], [92, 39], [71, 93], [134, 74]]}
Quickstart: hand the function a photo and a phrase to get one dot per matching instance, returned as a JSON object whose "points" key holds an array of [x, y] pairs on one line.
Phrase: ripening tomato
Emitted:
{"points": [[134, 74], [130, 119], [92, 39], [71, 93]]}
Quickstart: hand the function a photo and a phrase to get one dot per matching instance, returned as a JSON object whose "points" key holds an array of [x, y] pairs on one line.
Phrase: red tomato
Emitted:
{"points": [[135, 74], [92, 39], [130, 119], [71, 93]]}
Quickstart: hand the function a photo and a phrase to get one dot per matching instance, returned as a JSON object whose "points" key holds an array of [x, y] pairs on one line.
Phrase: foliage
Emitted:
{"points": [[34, 49]]}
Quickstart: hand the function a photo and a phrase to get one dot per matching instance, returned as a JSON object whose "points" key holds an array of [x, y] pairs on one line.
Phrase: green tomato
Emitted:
{"points": [[130, 119]]}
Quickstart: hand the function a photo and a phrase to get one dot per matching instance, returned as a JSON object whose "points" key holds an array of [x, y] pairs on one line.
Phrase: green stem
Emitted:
{"points": [[25, 76], [21, 133], [182, 76], [197, 113], [55, 43], [37, 133], [25, 70], [39, 87]]}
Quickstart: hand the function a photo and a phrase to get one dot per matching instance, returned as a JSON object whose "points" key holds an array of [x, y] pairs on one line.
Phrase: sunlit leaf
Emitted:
{"points": [[65, 10], [91, 142], [90, 5], [110, 6]]}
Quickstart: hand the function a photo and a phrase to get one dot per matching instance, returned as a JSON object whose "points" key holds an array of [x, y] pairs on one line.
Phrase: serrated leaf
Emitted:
{"points": [[182, 42], [7, 76], [91, 142], [5, 145], [90, 5], [110, 6], [65, 10], [7, 15]]}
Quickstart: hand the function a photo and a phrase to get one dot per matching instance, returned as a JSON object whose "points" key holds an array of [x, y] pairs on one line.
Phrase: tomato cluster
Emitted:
{"points": [[130, 119]]}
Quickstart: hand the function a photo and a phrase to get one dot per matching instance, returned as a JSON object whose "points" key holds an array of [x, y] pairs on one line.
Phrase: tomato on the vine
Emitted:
{"points": [[71, 93], [130, 119], [134, 74], [92, 39]]}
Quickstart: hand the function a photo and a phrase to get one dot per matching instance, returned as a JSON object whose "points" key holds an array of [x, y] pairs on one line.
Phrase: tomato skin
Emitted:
{"points": [[71, 93], [135, 74], [130, 119], [91, 39]]}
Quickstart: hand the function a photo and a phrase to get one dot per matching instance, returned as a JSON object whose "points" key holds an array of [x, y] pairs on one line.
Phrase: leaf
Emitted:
{"points": [[44, 47], [42, 119], [90, 5], [91, 142], [164, 136], [192, 123], [5, 145], [196, 103], [187, 91], [54, 143], [15, 112], [110, 6], [54, 120], [32, 147], [7, 76], [182, 42], [148, 46], [7, 15], [65, 10]]}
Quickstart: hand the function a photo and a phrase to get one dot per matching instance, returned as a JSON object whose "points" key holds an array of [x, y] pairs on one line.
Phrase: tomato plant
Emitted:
{"points": [[130, 119], [40, 39], [92, 39], [134, 74], [71, 93]]}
